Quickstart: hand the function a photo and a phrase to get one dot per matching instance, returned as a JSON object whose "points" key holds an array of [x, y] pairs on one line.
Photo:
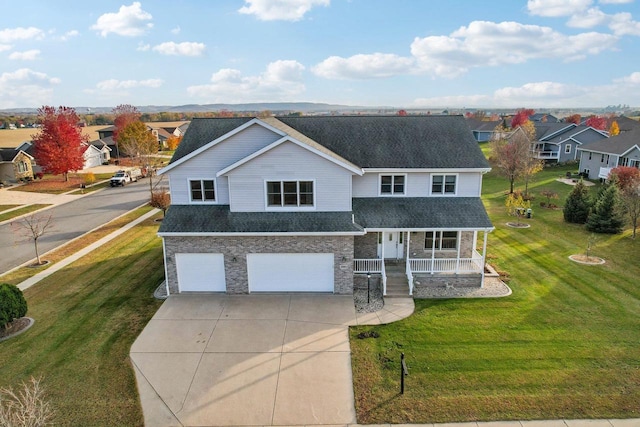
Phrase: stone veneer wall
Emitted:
{"points": [[427, 281], [366, 247], [238, 247], [418, 250]]}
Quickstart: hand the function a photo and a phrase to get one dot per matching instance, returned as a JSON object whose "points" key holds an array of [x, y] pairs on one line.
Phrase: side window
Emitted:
{"points": [[202, 190]]}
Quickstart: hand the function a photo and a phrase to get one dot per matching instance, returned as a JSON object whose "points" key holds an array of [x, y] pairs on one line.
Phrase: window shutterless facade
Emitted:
{"points": [[443, 184], [202, 190], [290, 194], [443, 240], [392, 184]]}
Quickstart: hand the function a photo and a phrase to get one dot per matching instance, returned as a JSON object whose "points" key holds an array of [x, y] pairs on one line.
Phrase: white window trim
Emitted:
{"points": [[444, 175], [567, 149], [267, 207], [203, 202], [392, 194]]}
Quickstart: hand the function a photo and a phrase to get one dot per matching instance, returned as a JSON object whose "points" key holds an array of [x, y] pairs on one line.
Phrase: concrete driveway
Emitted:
{"points": [[274, 359]]}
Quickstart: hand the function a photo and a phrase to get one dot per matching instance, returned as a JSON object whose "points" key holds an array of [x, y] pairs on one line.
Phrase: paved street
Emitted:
{"points": [[70, 220]]}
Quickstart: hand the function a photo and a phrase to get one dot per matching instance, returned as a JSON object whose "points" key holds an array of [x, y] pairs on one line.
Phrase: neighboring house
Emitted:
{"points": [[544, 118], [15, 165], [96, 153], [483, 131], [597, 159], [559, 142], [312, 204]]}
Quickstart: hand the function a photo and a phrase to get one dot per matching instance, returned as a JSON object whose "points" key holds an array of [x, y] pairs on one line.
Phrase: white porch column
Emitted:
{"points": [[433, 251], [484, 256], [408, 254], [458, 238]]}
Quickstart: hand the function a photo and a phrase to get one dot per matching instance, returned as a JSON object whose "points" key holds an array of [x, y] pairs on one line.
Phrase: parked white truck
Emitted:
{"points": [[122, 177]]}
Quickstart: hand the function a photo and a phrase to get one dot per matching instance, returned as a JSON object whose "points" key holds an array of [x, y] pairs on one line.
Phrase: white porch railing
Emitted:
{"points": [[546, 154], [374, 265], [604, 173], [409, 278], [445, 265]]}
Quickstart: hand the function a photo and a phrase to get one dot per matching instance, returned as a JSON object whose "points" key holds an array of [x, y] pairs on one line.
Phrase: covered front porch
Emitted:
{"points": [[425, 257]]}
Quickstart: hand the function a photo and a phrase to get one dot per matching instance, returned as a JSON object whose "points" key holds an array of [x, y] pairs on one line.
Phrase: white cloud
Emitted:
{"points": [[176, 30], [9, 35], [588, 19], [143, 47], [182, 49], [484, 43], [279, 82], [69, 34], [364, 66], [623, 24], [280, 10], [128, 21], [615, 1], [27, 55], [545, 94], [114, 84], [4, 47], [555, 8], [25, 87], [633, 78]]}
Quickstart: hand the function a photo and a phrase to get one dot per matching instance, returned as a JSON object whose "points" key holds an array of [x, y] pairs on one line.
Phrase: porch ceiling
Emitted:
{"points": [[421, 213]]}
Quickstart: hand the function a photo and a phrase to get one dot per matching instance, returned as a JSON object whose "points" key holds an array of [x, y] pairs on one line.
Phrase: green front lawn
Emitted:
{"points": [[564, 345], [87, 316], [22, 211]]}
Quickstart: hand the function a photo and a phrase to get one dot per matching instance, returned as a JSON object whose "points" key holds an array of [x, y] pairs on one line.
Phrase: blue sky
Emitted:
{"points": [[400, 53]]}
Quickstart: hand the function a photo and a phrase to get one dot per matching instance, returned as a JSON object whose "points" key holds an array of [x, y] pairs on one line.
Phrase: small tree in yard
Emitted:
{"points": [[628, 181], [549, 194], [516, 206], [161, 199], [33, 227], [576, 208], [12, 304], [606, 215], [136, 141], [511, 157], [58, 147]]}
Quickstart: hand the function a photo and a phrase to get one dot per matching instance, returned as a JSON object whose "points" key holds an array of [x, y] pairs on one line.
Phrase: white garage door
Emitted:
{"points": [[290, 272], [93, 160], [201, 272]]}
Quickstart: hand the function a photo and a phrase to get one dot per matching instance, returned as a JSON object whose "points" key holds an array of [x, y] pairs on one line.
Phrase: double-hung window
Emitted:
{"points": [[443, 184], [202, 190], [290, 193], [567, 148], [443, 240], [392, 184]]}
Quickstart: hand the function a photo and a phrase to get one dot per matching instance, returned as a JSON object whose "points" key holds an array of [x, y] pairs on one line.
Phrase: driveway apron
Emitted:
{"points": [[273, 359]]}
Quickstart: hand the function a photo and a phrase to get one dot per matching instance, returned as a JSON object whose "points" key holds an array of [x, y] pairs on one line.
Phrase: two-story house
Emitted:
{"points": [[560, 142], [307, 204]]}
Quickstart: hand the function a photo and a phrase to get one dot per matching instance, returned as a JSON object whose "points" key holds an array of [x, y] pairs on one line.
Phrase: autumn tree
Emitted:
{"points": [[124, 114], [517, 206], [597, 122], [574, 118], [512, 157], [58, 147], [521, 116], [614, 129], [173, 142], [138, 142], [628, 181], [160, 199]]}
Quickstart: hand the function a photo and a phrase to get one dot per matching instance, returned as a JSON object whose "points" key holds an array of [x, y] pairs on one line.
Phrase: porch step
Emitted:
{"points": [[397, 286]]}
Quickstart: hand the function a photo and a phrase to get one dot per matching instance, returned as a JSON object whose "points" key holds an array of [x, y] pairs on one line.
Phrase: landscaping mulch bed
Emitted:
{"points": [[15, 328]]}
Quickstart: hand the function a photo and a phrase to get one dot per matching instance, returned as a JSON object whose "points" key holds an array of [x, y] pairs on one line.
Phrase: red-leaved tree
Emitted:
{"points": [[597, 122], [522, 116], [58, 147], [124, 115]]}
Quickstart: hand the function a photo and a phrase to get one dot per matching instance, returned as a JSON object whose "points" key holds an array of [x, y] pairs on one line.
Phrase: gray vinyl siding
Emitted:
{"points": [[596, 162], [216, 158], [288, 161], [418, 184], [566, 157]]}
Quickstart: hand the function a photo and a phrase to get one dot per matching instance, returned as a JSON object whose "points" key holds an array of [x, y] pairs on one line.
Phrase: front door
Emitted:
{"points": [[393, 245]]}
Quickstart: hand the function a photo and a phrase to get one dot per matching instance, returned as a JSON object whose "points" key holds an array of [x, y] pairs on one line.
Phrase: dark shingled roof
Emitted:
{"points": [[367, 141], [218, 219], [395, 141], [420, 212], [8, 154], [616, 144], [202, 131]]}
